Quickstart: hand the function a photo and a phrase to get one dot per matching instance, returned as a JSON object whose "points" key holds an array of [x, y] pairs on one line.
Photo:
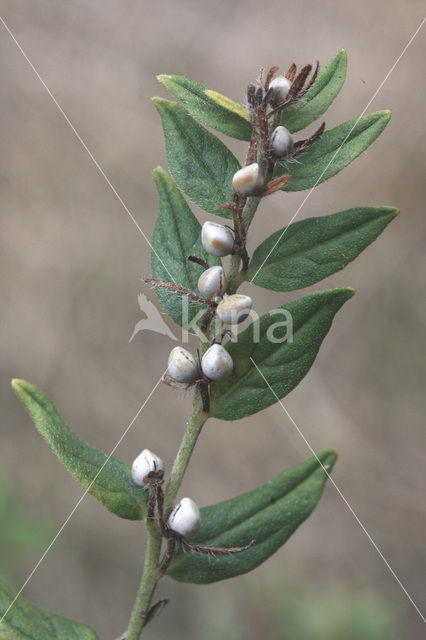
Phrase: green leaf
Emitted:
{"points": [[334, 151], [201, 165], [308, 251], [283, 363], [319, 97], [177, 234], [209, 107], [268, 515], [113, 486], [24, 620]]}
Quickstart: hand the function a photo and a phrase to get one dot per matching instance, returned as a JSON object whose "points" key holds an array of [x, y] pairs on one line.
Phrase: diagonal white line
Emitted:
{"points": [[341, 495], [339, 149], [85, 147], [80, 500]]}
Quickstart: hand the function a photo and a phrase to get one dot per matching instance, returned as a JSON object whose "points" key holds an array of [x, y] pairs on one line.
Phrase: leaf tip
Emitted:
{"points": [[158, 171], [18, 384], [347, 292]]}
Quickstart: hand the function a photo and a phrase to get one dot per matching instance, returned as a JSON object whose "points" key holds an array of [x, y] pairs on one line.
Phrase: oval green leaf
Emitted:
{"points": [[334, 151], [209, 107], [308, 251], [265, 346], [200, 163], [319, 97], [177, 235], [112, 486], [268, 515], [24, 620]]}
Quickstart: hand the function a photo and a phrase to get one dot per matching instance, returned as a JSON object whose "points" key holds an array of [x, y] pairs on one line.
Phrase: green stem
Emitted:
{"points": [[249, 211], [148, 583], [234, 276], [150, 576], [190, 437]]}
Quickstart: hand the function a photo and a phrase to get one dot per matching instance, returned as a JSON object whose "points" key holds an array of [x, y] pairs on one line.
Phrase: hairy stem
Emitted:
{"points": [[192, 431], [249, 210], [148, 583], [234, 276], [150, 576]]}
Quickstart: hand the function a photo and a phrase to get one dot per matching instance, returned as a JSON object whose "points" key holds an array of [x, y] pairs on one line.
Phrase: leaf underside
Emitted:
{"points": [[282, 363], [310, 250], [268, 515], [107, 480], [25, 620]]}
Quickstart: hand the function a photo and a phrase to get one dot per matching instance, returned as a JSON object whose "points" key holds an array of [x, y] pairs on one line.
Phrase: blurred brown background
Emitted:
{"points": [[71, 264]]}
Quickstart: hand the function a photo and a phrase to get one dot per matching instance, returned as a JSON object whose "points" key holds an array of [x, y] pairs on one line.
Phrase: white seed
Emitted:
{"points": [[182, 366], [248, 180], [280, 87], [234, 309], [281, 142], [185, 518], [212, 282], [216, 363], [217, 239], [143, 464]]}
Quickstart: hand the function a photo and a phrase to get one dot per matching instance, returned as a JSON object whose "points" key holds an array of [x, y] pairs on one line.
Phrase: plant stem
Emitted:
{"points": [[234, 276], [148, 583], [249, 211], [192, 431], [150, 576]]}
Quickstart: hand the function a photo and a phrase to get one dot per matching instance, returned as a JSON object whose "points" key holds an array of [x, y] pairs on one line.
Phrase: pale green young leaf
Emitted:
{"points": [[112, 486], [25, 620], [310, 250], [200, 163], [265, 345], [319, 97], [209, 107], [334, 151], [177, 235], [268, 515]]}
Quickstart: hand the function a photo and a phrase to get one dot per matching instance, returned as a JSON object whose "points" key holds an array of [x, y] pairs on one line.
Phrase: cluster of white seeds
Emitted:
{"points": [[216, 363], [185, 519]]}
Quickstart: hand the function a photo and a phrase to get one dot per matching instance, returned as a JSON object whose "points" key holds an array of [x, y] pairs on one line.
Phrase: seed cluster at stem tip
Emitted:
{"points": [[271, 143]]}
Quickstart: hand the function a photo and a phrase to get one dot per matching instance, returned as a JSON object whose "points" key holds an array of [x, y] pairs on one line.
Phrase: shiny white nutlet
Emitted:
{"points": [[234, 309], [249, 180], [182, 366], [212, 282], [185, 518], [217, 363], [281, 142], [280, 86], [143, 464], [217, 239]]}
